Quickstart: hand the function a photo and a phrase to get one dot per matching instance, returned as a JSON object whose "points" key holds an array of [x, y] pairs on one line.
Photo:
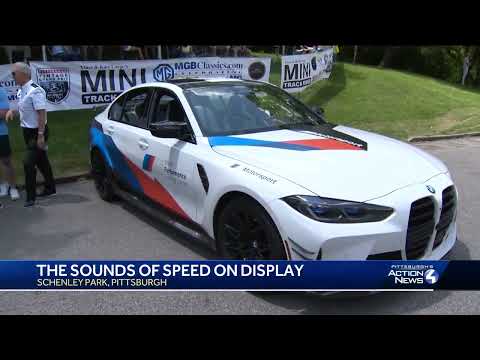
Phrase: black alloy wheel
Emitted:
{"points": [[245, 231], [102, 177]]}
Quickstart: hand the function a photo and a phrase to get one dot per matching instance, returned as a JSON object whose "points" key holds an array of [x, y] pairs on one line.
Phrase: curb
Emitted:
{"points": [[442, 137], [64, 180]]}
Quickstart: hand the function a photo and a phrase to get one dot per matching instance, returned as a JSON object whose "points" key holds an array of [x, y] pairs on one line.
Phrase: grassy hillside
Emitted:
{"points": [[68, 143], [390, 102]]}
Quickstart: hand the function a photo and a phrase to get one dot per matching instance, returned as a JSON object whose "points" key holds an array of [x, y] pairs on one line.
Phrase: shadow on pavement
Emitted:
{"points": [[193, 244], [21, 238], [459, 251], [360, 303], [62, 199]]}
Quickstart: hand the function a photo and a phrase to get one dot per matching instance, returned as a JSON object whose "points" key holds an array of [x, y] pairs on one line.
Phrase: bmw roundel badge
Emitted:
{"points": [[431, 189]]}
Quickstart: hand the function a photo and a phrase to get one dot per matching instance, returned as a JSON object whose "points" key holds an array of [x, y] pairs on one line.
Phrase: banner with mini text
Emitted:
{"points": [[300, 71], [84, 85]]}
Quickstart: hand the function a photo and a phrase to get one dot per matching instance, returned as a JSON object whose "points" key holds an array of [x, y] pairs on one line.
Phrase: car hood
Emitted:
{"points": [[334, 162]]}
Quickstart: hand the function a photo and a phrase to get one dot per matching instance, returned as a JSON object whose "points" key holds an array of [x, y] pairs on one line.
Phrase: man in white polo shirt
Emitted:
{"points": [[32, 107]]}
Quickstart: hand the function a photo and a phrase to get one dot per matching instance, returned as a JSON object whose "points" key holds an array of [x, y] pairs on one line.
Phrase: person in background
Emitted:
{"points": [[466, 67], [186, 51], [57, 52], [32, 108], [76, 53], [336, 50], [71, 53], [8, 187], [128, 49]]}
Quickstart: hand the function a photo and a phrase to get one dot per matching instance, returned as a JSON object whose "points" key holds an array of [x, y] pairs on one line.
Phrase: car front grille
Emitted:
{"points": [[420, 227], [447, 215], [391, 255]]}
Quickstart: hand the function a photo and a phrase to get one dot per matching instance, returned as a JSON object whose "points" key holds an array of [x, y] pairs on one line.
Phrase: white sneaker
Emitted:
{"points": [[14, 195], [3, 189]]}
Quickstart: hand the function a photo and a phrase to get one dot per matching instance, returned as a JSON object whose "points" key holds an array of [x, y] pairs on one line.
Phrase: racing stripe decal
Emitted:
{"points": [[154, 190], [328, 131], [134, 175], [298, 145], [114, 158], [236, 141], [148, 161], [325, 144]]}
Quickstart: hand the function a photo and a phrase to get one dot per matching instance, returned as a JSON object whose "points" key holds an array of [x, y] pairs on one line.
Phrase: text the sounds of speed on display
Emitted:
{"points": [[170, 270]]}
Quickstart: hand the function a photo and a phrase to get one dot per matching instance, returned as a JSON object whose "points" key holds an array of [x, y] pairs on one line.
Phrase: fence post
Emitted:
{"points": [[159, 51], [44, 52]]}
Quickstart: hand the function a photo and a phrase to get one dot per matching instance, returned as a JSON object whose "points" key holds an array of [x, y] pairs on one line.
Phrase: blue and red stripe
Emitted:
{"points": [[297, 145]]}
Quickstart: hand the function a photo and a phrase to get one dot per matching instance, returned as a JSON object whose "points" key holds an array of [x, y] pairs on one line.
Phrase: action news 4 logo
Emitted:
{"points": [[55, 82], [431, 276], [414, 274]]}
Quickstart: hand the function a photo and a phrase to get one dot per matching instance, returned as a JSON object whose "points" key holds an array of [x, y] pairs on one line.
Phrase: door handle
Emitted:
{"points": [[110, 129], [143, 144]]}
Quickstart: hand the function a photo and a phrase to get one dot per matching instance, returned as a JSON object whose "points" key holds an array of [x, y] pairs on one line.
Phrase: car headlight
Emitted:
{"points": [[337, 211]]}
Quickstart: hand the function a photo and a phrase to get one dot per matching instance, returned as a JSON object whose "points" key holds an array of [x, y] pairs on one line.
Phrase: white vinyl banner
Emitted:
{"points": [[300, 71], [8, 84], [84, 85]]}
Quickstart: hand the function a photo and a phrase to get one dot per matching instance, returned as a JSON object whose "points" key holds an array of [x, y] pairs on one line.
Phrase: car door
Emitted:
{"points": [[130, 135], [170, 162]]}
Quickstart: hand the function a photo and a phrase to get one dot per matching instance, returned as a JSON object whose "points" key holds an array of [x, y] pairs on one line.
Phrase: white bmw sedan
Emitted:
{"points": [[263, 176]]}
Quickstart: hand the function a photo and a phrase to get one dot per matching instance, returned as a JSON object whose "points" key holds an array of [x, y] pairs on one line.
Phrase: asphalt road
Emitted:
{"points": [[76, 224]]}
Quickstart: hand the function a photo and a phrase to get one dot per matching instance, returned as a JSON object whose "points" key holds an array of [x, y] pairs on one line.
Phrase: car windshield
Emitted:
{"points": [[228, 109]]}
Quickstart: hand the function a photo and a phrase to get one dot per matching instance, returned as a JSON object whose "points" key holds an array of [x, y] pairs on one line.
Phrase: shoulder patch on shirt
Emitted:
{"points": [[34, 85]]}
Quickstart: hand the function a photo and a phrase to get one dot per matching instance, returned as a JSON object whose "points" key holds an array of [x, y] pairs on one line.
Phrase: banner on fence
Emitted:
{"points": [[84, 85], [8, 84], [300, 71]]}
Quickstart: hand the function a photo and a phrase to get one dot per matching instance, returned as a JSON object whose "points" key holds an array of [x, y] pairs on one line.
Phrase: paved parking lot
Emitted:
{"points": [[76, 224]]}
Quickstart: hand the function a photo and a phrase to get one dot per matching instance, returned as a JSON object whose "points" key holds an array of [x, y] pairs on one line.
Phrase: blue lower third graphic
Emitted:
{"points": [[240, 275]]}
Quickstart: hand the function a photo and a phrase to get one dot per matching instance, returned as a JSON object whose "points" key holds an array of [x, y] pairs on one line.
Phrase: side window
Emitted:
{"points": [[135, 108], [115, 112], [168, 109]]}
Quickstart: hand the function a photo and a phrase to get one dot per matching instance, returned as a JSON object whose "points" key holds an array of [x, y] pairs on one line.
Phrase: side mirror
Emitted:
{"points": [[169, 129], [318, 110]]}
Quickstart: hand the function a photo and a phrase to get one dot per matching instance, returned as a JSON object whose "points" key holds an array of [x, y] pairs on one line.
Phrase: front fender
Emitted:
{"points": [[258, 184]]}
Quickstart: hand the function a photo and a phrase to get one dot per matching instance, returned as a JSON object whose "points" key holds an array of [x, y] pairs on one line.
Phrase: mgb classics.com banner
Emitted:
{"points": [[239, 275], [83, 85]]}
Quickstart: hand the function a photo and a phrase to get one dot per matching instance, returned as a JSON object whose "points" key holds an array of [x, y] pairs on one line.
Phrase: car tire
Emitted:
{"points": [[271, 248], [102, 177]]}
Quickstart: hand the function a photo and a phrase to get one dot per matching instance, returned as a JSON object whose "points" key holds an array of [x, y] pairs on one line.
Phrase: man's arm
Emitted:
{"points": [[42, 119], [4, 105], [40, 106], [10, 114]]}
